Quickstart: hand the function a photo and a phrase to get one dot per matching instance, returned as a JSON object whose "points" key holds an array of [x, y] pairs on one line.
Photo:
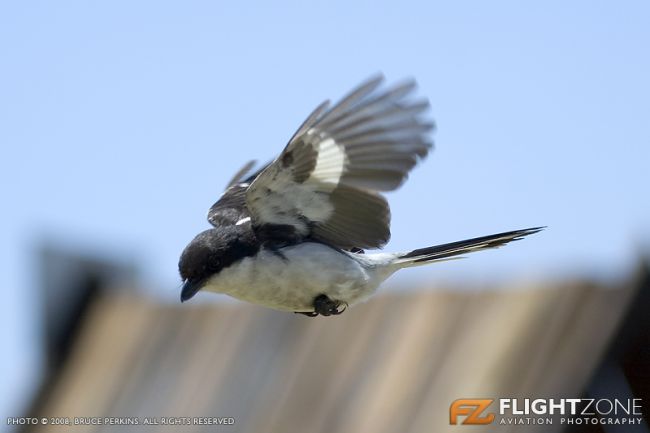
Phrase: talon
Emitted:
{"points": [[345, 307]]}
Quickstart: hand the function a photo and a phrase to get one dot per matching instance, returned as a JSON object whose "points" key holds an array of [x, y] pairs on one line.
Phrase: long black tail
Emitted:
{"points": [[448, 251]]}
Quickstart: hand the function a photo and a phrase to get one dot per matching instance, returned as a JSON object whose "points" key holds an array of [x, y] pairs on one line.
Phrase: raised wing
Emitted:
{"points": [[231, 206], [326, 182], [241, 174]]}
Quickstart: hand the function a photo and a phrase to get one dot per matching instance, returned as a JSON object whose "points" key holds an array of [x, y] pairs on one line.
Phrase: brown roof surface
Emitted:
{"points": [[394, 364]]}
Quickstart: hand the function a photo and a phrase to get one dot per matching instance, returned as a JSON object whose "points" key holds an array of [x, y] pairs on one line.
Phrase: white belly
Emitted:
{"points": [[291, 284]]}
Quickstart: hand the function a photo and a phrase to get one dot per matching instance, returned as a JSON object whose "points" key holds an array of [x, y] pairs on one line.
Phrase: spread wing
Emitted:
{"points": [[326, 182], [231, 206], [241, 174]]}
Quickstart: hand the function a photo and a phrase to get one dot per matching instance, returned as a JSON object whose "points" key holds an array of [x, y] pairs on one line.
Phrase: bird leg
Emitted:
{"points": [[324, 306]]}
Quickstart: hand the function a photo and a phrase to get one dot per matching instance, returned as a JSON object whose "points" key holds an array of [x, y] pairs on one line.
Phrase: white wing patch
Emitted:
{"points": [[330, 164], [243, 221]]}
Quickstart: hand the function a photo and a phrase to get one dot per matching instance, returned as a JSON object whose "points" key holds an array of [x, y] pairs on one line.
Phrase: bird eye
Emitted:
{"points": [[214, 263]]}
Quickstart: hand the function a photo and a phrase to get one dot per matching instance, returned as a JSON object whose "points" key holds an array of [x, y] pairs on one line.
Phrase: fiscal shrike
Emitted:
{"points": [[292, 235]]}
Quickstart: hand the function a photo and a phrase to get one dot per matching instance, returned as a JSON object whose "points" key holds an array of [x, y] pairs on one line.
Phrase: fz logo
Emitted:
{"points": [[471, 409]]}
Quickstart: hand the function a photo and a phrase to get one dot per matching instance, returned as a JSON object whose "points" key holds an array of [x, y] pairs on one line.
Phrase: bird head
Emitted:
{"points": [[210, 252], [201, 259]]}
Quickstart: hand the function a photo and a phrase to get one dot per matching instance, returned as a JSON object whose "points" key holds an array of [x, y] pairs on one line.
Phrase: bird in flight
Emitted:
{"points": [[292, 235]]}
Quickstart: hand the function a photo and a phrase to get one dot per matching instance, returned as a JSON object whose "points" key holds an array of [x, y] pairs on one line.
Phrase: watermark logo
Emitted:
{"points": [[527, 411], [472, 409]]}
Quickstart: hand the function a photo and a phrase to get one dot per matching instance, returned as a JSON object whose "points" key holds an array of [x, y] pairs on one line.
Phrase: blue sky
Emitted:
{"points": [[121, 122]]}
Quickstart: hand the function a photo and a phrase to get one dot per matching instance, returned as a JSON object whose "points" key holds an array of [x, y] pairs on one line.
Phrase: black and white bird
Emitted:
{"points": [[292, 235]]}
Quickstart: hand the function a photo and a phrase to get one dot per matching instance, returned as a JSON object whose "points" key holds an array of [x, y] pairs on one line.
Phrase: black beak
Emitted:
{"points": [[190, 288]]}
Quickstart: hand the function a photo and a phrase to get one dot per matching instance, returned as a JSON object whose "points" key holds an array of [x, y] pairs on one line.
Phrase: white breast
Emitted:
{"points": [[292, 277]]}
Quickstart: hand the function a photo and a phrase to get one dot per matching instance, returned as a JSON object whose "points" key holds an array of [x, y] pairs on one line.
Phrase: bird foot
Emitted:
{"points": [[324, 306]]}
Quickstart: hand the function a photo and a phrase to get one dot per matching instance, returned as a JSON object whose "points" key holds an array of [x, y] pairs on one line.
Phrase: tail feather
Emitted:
{"points": [[453, 249]]}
